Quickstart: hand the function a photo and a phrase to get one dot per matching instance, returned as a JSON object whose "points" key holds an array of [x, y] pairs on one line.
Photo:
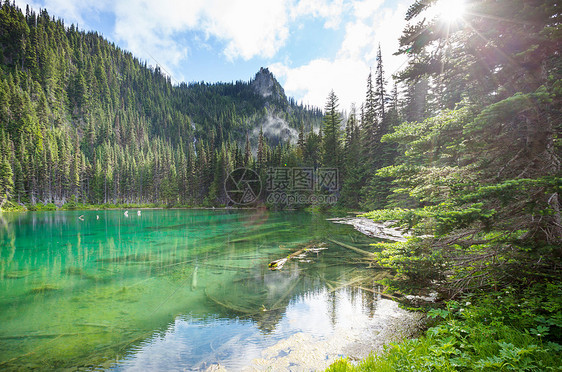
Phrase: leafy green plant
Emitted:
{"points": [[516, 329]]}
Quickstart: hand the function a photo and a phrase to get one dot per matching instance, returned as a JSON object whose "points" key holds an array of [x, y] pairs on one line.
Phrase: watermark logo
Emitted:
{"points": [[242, 186], [284, 185], [302, 185]]}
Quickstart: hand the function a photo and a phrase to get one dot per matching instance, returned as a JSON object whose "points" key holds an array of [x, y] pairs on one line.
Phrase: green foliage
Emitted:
{"points": [[480, 158], [6, 180], [332, 156], [40, 207], [72, 204], [514, 330], [477, 178], [13, 207]]}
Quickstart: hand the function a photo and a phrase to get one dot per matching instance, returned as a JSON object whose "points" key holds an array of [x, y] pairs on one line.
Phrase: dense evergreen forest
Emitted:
{"points": [[82, 120]]}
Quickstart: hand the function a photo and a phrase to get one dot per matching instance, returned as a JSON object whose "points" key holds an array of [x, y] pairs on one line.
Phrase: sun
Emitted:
{"points": [[449, 10]]}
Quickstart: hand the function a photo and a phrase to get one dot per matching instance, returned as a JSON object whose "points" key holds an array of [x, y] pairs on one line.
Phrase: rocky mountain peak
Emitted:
{"points": [[265, 84]]}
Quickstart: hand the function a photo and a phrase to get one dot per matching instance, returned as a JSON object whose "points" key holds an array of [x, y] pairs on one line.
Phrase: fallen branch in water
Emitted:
{"points": [[229, 305], [369, 254], [348, 284], [29, 353], [278, 264], [287, 293]]}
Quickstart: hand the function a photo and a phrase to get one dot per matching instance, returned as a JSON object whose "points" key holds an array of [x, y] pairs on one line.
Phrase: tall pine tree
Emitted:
{"points": [[331, 146]]}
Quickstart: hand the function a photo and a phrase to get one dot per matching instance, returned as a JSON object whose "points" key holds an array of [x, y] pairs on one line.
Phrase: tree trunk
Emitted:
{"points": [[554, 203]]}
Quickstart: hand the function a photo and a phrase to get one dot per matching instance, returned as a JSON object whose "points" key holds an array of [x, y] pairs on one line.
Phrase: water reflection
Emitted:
{"points": [[104, 288], [197, 344]]}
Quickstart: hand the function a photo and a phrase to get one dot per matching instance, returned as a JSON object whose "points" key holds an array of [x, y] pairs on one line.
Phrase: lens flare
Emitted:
{"points": [[450, 10]]}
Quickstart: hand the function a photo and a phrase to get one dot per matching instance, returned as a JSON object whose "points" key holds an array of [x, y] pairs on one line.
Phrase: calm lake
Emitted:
{"points": [[171, 289]]}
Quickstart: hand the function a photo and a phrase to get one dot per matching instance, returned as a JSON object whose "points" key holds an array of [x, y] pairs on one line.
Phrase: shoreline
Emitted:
{"points": [[102, 208], [303, 352]]}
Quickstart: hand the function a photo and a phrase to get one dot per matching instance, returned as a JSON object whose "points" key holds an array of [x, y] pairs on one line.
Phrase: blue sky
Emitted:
{"points": [[312, 46]]}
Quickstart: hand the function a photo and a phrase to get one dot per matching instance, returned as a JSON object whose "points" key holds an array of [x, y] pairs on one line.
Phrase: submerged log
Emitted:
{"points": [[257, 236], [347, 284], [278, 264], [369, 254], [230, 306], [194, 279], [29, 353]]}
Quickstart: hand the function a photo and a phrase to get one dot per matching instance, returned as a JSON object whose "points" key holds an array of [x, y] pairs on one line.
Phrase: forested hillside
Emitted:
{"points": [[83, 120]]}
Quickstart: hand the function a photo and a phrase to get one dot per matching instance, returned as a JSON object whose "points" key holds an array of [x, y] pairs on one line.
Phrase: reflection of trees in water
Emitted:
{"points": [[8, 242], [263, 295], [259, 294]]}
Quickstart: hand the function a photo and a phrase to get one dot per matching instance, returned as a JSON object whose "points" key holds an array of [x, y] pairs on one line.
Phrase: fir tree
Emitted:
{"points": [[369, 123], [261, 155], [6, 180], [380, 91], [247, 151], [353, 171], [331, 156]]}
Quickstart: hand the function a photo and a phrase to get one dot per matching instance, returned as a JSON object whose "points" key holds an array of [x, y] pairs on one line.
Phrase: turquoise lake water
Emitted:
{"points": [[169, 289]]}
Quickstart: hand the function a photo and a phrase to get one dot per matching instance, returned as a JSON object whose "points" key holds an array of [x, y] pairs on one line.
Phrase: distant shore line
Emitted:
{"points": [[40, 207], [75, 206]]}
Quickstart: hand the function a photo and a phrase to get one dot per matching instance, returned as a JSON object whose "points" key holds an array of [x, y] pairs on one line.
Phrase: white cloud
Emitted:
{"points": [[347, 72], [366, 8], [331, 10], [69, 10], [358, 36], [249, 27], [312, 82]]}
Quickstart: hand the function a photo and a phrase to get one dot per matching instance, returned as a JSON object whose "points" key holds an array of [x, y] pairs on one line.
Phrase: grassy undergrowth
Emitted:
{"points": [[518, 329], [75, 206]]}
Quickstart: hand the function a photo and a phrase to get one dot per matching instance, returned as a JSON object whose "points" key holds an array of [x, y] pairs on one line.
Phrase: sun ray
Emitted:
{"points": [[449, 11], [496, 18]]}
